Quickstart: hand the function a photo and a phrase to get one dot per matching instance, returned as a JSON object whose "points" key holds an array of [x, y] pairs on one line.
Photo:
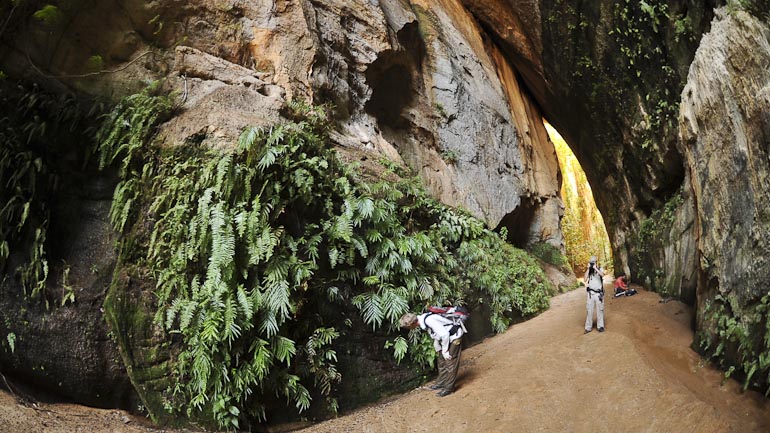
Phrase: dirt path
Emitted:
{"points": [[68, 418], [544, 375]]}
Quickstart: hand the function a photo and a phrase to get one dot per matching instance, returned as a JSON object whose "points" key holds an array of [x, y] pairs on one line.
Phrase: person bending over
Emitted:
{"points": [[447, 340]]}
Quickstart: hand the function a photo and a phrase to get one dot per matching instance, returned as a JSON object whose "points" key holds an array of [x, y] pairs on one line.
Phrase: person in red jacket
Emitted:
{"points": [[621, 287]]}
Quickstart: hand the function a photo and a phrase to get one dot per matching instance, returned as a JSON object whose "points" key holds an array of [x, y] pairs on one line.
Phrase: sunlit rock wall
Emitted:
{"points": [[608, 76]]}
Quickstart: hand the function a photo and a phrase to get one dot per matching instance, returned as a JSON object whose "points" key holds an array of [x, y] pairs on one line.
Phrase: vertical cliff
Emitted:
{"points": [[420, 83], [724, 127], [673, 143], [608, 76], [725, 131]]}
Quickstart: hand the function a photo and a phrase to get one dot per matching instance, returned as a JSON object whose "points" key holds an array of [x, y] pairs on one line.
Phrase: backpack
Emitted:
{"points": [[458, 315]]}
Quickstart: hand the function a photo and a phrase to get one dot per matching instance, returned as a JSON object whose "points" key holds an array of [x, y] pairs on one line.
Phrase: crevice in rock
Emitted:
{"points": [[393, 80], [519, 221]]}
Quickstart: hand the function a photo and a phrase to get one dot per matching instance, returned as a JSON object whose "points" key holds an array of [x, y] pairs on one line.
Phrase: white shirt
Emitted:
{"points": [[594, 281], [438, 327]]}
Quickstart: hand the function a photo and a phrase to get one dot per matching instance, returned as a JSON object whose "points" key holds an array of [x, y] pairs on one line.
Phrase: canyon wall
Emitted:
{"points": [[664, 103], [418, 83]]}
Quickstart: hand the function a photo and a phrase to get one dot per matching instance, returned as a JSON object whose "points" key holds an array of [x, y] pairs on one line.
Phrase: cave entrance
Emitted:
{"points": [[519, 222], [583, 227]]}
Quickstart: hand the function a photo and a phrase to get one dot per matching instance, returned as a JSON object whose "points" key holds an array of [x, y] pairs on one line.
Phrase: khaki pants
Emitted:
{"points": [[594, 299], [447, 369]]}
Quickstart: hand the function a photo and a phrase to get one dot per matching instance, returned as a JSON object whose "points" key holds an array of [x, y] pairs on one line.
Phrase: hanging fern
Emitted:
{"points": [[254, 251], [36, 130]]}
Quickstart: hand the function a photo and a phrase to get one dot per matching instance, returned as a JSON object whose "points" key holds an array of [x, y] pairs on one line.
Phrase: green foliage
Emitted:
{"points": [[549, 254], [34, 134], [69, 291], [449, 156], [11, 339], [400, 347], [638, 25], [651, 236], [683, 29], [636, 22], [511, 279], [440, 110], [739, 343], [48, 14], [256, 251], [758, 8], [582, 225], [95, 63], [130, 126]]}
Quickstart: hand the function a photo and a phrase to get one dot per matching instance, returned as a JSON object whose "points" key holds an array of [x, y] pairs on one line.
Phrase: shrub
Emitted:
{"points": [[38, 131], [549, 254], [254, 252]]}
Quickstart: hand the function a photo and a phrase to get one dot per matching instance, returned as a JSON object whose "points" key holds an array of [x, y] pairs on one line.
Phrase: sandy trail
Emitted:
{"points": [[543, 375]]}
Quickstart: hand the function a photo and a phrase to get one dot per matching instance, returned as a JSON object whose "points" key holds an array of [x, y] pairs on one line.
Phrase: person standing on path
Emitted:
{"points": [[594, 279], [447, 340]]}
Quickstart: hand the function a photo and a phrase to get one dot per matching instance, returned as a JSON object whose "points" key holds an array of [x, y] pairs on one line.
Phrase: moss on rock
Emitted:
{"points": [[145, 348]]}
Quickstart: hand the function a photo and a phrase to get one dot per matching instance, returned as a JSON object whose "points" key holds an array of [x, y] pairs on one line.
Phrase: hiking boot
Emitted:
{"points": [[436, 387], [444, 393], [601, 329]]}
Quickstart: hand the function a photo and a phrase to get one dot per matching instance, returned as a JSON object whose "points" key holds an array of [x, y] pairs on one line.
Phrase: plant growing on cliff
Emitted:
{"points": [[449, 156], [639, 25], [34, 138], [758, 8], [683, 29], [739, 343], [49, 14], [259, 252], [649, 237], [548, 253], [10, 338]]}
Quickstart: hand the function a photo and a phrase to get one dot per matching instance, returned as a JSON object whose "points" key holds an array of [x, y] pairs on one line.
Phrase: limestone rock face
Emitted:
{"points": [[725, 131], [519, 27], [607, 76], [419, 82], [67, 349]]}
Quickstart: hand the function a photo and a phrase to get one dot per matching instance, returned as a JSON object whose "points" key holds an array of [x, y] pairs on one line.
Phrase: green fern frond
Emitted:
{"points": [[246, 244], [231, 329], [371, 308], [284, 350], [248, 138], [244, 303], [269, 324]]}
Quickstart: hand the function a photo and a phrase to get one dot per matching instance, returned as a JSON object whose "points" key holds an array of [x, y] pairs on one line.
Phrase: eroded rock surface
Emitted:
{"points": [[725, 130], [417, 82]]}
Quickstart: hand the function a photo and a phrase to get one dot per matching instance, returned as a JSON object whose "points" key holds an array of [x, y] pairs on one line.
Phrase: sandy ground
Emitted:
{"points": [[67, 418], [544, 375]]}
